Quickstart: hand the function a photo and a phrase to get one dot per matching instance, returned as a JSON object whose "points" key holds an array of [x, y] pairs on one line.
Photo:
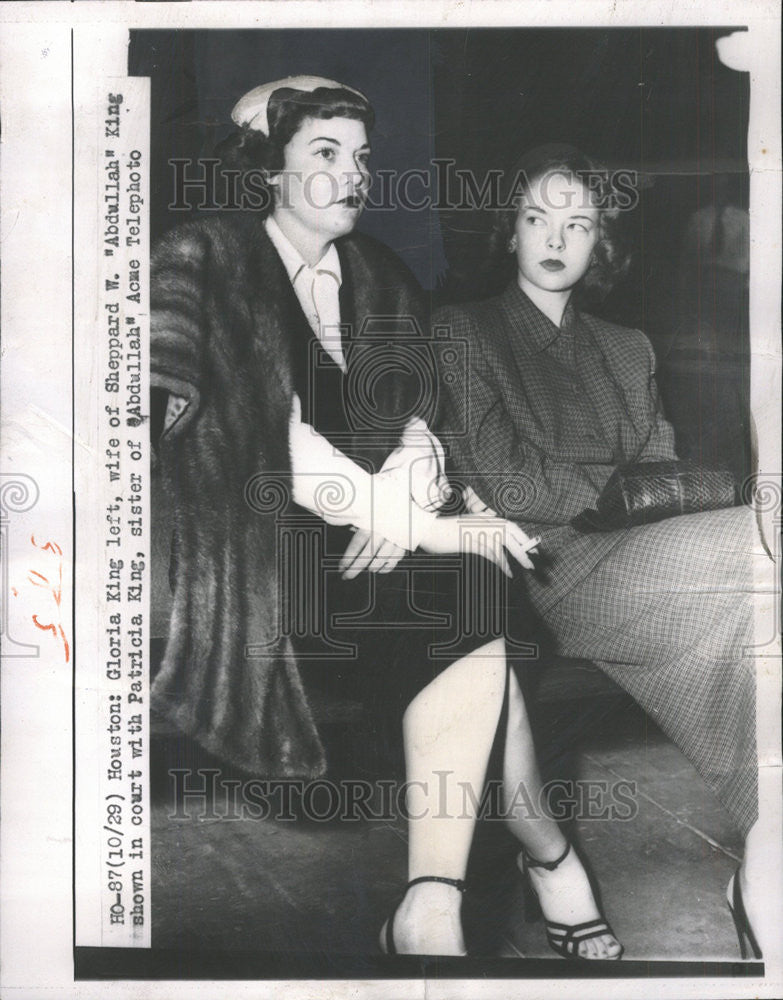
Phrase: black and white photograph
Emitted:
{"points": [[417, 617]]}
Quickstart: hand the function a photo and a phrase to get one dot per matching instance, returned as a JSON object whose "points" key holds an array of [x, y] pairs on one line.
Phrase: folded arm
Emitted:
{"points": [[397, 503], [659, 445]]}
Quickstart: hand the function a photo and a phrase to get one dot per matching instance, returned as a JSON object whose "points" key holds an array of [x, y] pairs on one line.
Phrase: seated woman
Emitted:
{"points": [[554, 400], [274, 385]]}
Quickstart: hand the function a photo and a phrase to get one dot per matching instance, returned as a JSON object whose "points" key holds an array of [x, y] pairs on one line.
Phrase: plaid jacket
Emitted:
{"points": [[538, 417]]}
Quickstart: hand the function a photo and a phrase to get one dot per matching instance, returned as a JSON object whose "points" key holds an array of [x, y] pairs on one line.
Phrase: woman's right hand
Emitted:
{"points": [[485, 535]]}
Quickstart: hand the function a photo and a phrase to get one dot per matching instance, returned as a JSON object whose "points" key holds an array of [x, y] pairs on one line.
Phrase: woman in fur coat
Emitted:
{"points": [[298, 386]]}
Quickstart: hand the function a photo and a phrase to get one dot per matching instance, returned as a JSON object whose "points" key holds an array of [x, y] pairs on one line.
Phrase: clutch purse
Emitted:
{"points": [[652, 491]]}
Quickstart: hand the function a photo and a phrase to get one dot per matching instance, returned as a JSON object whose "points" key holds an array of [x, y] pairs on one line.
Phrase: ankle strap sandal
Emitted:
{"points": [[564, 939], [387, 931]]}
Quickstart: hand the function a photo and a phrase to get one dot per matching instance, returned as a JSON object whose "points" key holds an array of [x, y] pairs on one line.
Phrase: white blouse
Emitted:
{"points": [[398, 502]]}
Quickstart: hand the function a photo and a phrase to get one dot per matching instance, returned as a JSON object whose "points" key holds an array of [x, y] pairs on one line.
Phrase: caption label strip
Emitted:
{"points": [[124, 477]]}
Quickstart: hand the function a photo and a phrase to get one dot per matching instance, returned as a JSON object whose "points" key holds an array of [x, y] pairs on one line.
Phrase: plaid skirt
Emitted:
{"points": [[667, 613]]}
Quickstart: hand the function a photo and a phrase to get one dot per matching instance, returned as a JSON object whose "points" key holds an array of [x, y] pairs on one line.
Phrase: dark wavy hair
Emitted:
{"points": [[610, 258], [247, 149]]}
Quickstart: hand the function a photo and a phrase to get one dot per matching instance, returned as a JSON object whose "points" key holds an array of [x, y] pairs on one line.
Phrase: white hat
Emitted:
{"points": [[250, 111]]}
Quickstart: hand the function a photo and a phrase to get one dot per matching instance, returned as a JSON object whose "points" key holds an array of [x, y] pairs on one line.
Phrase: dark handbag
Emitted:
{"points": [[651, 491]]}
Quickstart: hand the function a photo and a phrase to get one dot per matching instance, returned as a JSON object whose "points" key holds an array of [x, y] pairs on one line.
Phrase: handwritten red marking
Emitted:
{"points": [[44, 628], [56, 590]]}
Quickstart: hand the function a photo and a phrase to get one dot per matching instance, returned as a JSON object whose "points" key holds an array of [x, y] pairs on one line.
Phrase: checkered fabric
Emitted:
{"points": [[539, 416], [536, 424], [668, 615]]}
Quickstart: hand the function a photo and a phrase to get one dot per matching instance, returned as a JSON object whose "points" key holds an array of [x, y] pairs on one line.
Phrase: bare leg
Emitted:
{"points": [[565, 894], [448, 731]]}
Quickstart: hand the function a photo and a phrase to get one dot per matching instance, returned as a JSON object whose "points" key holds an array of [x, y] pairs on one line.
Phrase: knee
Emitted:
{"points": [[480, 676]]}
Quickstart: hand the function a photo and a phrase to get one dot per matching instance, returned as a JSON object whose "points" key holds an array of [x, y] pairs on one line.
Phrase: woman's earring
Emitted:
{"points": [[512, 244]]}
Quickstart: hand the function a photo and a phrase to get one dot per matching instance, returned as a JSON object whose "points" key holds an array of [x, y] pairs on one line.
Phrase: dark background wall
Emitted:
{"points": [[657, 101]]}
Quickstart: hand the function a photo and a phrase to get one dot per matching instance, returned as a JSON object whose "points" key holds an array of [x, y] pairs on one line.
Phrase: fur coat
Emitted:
{"points": [[222, 314]]}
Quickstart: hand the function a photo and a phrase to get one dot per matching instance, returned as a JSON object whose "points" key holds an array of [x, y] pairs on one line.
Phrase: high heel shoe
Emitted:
{"points": [[740, 918], [564, 939], [386, 939]]}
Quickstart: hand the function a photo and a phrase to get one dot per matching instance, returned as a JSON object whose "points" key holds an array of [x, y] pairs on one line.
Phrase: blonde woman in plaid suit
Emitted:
{"points": [[554, 400]]}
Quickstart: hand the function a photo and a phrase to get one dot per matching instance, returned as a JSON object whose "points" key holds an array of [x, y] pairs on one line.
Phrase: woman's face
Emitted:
{"points": [[556, 229], [324, 182]]}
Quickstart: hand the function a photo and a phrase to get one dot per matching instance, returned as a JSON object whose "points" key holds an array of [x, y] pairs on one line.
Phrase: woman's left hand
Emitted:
{"points": [[371, 551]]}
